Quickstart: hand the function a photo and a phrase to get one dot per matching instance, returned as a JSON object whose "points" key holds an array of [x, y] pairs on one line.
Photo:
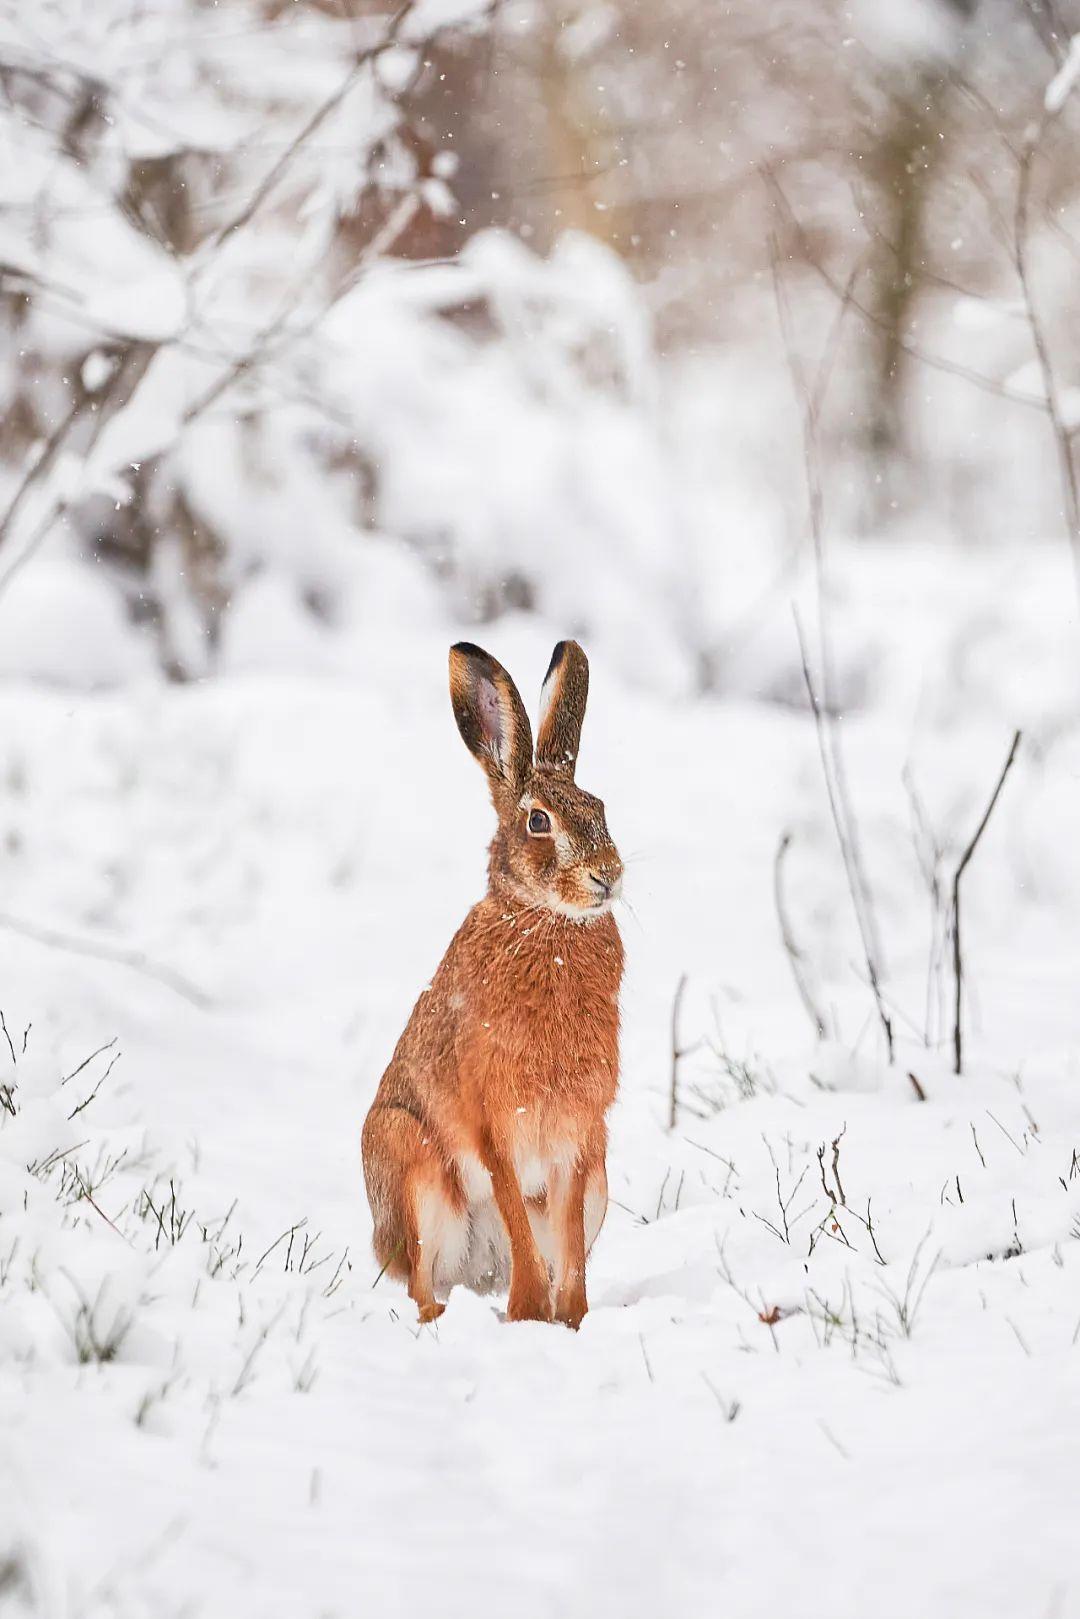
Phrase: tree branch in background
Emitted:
{"points": [[384, 238], [810, 397], [40, 467], [137, 960], [794, 954], [129, 368], [936, 362], [1049, 400], [1062, 437], [313, 125], [958, 973]]}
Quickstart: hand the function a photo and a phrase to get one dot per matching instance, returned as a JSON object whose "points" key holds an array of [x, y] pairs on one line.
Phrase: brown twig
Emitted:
{"points": [[837, 1196], [678, 1052], [958, 973]]}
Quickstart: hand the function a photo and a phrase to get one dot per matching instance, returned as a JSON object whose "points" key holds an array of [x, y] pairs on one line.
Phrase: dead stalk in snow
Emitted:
{"points": [[844, 822], [810, 396], [930, 855], [965, 858], [837, 1195], [678, 1052], [794, 954], [730, 1408], [905, 1306]]}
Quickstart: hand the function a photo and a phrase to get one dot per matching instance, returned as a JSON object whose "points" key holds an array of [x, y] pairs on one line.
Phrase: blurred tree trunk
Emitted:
{"points": [[572, 126], [568, 153], [906, 160]]}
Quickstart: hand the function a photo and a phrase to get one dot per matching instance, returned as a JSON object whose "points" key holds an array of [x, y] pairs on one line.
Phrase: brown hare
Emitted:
{"points": [[484, 1148]]}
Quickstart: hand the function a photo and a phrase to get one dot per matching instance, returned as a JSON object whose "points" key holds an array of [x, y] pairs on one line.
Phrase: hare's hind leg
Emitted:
{"points": [[421, 1221]]}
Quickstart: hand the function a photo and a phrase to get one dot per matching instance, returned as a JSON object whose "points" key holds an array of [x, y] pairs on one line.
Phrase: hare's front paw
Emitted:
{"points": [[529, 1300], [571, 1306]]}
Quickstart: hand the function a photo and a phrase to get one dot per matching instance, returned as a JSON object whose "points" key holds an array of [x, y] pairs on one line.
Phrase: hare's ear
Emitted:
{"points": [[491, 717], [562, 707]]}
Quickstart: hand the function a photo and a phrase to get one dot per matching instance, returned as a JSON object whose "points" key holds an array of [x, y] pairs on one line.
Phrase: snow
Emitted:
{"points": [[831, 1358], [428, 16], [858, 1419], [60, 624]]}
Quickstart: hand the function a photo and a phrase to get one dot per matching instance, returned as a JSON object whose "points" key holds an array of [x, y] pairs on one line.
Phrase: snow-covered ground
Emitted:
{"points": [[833, 1356]]}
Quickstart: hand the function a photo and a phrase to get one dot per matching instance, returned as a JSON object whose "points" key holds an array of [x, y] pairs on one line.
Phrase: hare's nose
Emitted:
{"points": [[606, 888]]}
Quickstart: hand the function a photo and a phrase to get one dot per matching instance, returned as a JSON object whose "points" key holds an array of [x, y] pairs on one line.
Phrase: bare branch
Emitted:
{"points": [[313, 125], [1062, 437], [677, 1052], [965, 858], [136, 960], [936, 362], [37, 470]]}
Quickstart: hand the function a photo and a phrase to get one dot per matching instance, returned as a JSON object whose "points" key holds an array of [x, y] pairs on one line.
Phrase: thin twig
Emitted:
{"points": [[847, 854], [88, 1099], [810, 398], [675, 1053], [88, 1060], [958, 971], [794, 954], [129, 368], [41, 465], [7, 1037], [678, 1052], [936, 362]]}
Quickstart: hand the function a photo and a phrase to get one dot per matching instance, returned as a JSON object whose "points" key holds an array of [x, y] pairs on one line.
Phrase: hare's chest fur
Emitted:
{"points": [[538, 1014]]}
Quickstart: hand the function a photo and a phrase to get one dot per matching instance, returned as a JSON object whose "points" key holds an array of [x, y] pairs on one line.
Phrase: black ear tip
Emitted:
{"points": [[468, 649], [557, 657]]}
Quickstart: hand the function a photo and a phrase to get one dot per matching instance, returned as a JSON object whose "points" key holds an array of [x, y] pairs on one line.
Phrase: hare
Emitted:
{"points": [[484, 1150]]}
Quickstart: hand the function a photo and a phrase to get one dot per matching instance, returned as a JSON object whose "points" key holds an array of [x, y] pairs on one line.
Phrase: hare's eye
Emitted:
{"points": [[539, 823]]}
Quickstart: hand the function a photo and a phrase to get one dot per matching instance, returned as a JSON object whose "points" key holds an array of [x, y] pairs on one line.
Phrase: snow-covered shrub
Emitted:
{"points": [[103, 1255], [182, 186]]}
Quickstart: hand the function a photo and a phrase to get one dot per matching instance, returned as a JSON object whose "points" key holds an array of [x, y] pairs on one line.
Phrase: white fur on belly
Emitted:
{"points": [[472, 1249]]}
